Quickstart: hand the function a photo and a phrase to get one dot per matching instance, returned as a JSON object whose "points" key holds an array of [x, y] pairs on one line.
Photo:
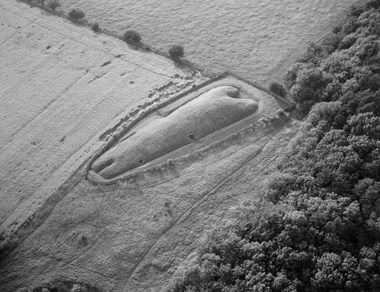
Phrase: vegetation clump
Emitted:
{"points": [[278, 89], [76, 14], [176, 52], [95, 27], [321, 227], [53, 4], [40, 2], [132, 37]]}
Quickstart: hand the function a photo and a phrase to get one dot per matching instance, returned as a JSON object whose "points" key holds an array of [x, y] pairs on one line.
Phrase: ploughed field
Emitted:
{"points": [[257, 39]]}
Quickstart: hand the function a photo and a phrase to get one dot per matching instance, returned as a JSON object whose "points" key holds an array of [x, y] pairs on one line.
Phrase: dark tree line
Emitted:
{"points": [[324, 232]]}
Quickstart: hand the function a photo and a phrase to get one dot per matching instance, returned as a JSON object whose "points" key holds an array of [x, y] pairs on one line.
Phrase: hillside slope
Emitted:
{"points": [[137, 234]]}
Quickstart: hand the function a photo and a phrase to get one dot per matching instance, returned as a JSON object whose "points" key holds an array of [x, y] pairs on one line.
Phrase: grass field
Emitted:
{"points": [[60, 86], [257, 39]]}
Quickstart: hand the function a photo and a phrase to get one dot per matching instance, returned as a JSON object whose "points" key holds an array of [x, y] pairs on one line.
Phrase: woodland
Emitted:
{"points": [[317, 227]]}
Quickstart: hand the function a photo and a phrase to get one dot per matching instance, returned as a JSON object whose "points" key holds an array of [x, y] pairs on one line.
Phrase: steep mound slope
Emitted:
{"points": [[206, 114]]}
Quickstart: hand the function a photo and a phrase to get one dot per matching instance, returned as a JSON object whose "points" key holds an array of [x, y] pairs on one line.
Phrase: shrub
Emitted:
{"points": [[176, 52], [373, 4], [331, 42], [53, 4], [132, 36], [95, 26], [282, 114], [337, 29], [76, 14], [314, 53], [41, 2], [356, 10], [348, 41], [350, 26], [278, 89]]}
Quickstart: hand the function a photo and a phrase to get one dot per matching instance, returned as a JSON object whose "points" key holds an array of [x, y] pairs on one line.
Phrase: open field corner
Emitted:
{"points": [[60, 86]]}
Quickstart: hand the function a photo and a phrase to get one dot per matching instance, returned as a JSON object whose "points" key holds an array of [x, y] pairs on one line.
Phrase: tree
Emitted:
{"points": [[76, 14], [309, 88], [54, 4], [132, 37], [277, 88], [176, 52], [95, 27]]}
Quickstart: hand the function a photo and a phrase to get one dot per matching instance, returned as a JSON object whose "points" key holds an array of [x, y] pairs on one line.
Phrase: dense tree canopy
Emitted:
{"points": [[325, 232]]}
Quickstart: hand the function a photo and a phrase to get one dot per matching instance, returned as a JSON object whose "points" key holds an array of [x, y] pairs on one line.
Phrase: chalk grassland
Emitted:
{"points": [[138, 234], [60, 86], [257, 39]]}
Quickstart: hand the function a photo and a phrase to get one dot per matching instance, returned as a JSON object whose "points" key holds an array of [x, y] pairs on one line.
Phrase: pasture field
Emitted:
{"points": [[60, 86], [257, 39]]}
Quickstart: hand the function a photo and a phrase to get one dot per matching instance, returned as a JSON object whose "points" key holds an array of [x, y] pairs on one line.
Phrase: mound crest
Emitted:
{"points": [[213, 110]]}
